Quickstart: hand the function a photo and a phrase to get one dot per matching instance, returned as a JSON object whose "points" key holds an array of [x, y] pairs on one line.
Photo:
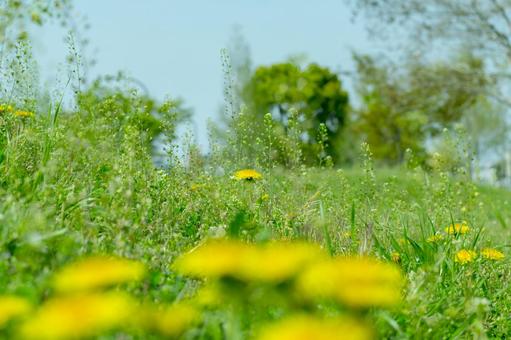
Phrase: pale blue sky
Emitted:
{"points": [[173, 47]]}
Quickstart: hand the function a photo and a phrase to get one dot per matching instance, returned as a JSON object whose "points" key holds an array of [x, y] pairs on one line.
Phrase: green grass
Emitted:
{"points": [[86, 184]]}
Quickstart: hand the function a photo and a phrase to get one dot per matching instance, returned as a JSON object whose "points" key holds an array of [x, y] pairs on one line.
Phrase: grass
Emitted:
{"points": [[86, 185], [82, 184]]}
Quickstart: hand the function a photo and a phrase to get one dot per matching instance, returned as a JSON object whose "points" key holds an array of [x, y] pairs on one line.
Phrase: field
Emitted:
{"points": [[95, 240]]}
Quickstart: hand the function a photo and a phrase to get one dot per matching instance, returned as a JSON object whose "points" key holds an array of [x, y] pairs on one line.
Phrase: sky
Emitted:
{"points": [[173, 47]]}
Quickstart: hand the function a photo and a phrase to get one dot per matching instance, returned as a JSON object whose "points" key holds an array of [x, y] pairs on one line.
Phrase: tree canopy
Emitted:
{"points": [[402, 108], [315, 92]]}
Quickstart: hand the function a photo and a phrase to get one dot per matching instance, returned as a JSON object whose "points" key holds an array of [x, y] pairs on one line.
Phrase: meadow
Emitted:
{"points": [[308, 217], [98, 242]]}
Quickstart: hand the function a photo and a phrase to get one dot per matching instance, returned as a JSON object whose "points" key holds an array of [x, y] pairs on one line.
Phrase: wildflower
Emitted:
{"points": [[304, 327], [6, 108], [195, 187], [97, 272], [492, 254], [12, 307], [356, 282], [402, 241], [273, 262], [465, 256], [457, 228], [214, 259], [209, 296], [435, 238], [395, 257], [79, 316], [247, 174], [170, 321], [23, 114], [279, 261]]}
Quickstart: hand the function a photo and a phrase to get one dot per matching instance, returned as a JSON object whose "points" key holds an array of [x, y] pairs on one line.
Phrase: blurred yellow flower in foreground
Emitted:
{"points": [[465, 256], [214, 259], [279, 261], [79, 316], [97, 272], [12, 307], [303, 327], [435, 238], [457, 228], [271, 262], [492, 254], [6, 108], [247, 174], [23, 114], [170, 321], [209, 295], [359, 282]]}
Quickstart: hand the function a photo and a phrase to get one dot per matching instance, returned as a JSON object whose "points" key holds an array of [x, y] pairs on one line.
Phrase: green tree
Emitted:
{"points": [[423, 28], [315, 93], [487, 129], [404, 106]]}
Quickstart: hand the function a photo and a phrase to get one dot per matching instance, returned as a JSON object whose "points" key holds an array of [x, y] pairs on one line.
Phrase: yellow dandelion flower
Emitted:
{"points": [[12, 307], [305, 327], [97, 272], [6, 108], [435, 238], [279, 261], [395, 257], [356, 282], [247, 174], [209, 296], [170, 321], [276, 261], [457, 228], [23, 114], [79, 316], [196, 187], [213, 259], [465, 256], [492, 254]]}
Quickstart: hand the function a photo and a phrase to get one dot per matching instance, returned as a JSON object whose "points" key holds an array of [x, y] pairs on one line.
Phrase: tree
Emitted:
{"points": [[116, 99], [403, 107], [487, 130], [483, 28], [480, 24], [316, 94]]}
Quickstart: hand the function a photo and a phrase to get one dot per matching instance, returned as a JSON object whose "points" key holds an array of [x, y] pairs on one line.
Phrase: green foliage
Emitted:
{"points": [[314, 92], [111, 98], [404, 107], [82, 181], [98, 192]]}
